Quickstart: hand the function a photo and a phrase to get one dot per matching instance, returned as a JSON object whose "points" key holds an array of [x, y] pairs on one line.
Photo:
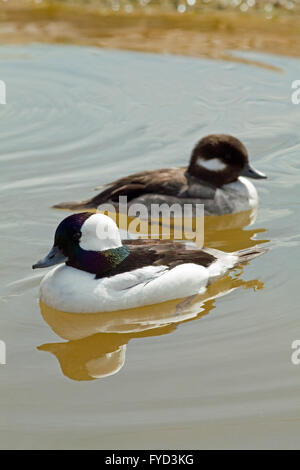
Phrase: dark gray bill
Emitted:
{"points": [[55, 256], [251, 172]]}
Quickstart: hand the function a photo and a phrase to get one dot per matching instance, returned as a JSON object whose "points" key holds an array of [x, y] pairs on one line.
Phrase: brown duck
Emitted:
{"points": [[214, 177]]}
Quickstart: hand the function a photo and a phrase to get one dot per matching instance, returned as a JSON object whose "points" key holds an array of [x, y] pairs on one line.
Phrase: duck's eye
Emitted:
{"points": [[76, 236], [227, 157]]}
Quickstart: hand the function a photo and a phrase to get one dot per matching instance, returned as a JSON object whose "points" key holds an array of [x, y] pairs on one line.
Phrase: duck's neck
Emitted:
{"points": [[98, 262]]}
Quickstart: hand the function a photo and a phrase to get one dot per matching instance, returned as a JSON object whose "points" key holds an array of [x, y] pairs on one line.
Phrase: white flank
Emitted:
{"points": [[71, 290]]}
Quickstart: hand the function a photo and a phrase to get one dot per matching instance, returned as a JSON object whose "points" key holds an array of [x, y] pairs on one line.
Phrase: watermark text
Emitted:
{"points": [[295, 358], [2, 352], [158, 221], [2, 92], [296, 94]]}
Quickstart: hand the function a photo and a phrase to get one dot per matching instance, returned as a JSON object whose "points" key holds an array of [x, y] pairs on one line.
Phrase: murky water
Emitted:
{"points": [[213, 374]]}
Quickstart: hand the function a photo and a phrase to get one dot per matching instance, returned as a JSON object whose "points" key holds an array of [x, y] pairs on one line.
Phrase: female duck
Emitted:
{"points": [[214, 177], [101, 274]]}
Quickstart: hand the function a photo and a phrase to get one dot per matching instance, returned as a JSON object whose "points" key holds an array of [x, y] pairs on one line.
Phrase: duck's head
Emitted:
{"points": [[78, 239], [220, 159]]}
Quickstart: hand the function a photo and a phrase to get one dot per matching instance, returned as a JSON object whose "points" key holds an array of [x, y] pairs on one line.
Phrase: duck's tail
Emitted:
{"points": [[249, 253], [76, 205]]}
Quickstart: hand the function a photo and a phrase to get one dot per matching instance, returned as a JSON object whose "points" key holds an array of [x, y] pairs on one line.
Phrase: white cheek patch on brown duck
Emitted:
{"points": [[213, 164]]}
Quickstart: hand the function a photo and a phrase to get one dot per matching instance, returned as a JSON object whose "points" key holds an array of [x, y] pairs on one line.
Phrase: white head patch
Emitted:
{"points": [[214, 164], [99, 232]]}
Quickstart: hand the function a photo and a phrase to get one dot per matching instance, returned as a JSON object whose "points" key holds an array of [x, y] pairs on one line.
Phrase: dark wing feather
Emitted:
{"points": [[168, 181], [160, 252]]}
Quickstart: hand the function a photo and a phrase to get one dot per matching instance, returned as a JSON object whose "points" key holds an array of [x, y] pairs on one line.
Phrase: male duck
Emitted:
{"points": [[101, 274], [214, 177]]}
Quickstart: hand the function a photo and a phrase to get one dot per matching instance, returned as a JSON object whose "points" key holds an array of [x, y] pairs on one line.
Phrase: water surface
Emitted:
{"points": [[78, 117]]}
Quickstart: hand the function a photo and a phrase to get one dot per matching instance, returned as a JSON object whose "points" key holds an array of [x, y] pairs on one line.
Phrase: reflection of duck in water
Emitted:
{"points": [[102, 274], [228, 232], [232, 232], [215, 177], [96, 344], [90, 358]]}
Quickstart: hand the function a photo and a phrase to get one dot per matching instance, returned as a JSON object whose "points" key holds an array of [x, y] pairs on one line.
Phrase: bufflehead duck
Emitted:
{"points": [[215, 177], [97, 343], [101, 274]]}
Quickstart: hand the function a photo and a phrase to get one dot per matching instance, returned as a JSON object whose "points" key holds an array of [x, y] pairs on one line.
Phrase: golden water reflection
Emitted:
{"points": [[96, 343], [228, 232], [231, 232]]}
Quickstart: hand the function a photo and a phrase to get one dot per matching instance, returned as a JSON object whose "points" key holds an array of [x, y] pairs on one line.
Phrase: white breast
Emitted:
{"points": [[71, 290], [238, 196], [251, 190]]}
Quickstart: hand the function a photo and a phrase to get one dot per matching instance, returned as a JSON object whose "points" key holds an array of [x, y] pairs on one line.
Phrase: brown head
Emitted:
{"points": [[220, 159]]}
